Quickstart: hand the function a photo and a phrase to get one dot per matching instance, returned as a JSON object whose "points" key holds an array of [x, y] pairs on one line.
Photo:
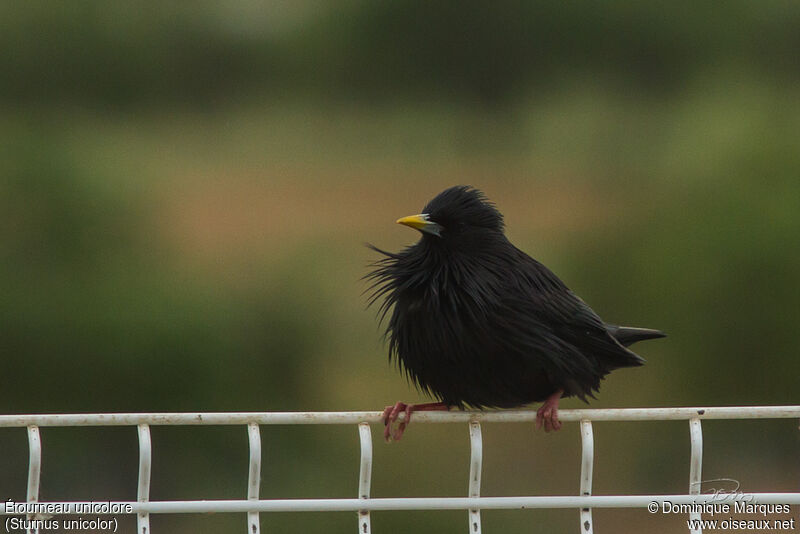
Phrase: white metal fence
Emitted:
{"points": [[473, 503]]}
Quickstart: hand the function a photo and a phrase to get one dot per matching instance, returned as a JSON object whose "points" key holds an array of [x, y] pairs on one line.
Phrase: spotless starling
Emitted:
{"points": [[474, 321]]}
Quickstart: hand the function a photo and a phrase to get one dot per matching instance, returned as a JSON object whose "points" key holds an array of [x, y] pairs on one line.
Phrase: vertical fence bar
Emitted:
{"points": [[587, 466], [475, 467], [143, 492], [34, 472], [695, 466], [365, 476], [254, 478]]}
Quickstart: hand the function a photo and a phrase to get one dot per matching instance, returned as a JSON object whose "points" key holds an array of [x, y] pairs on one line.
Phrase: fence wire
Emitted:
{"points": [[34, 510]]}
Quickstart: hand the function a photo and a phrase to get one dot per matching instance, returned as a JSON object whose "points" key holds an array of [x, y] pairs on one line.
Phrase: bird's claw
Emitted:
{"points": [[547, 414], [547, 417], [390, 416]]}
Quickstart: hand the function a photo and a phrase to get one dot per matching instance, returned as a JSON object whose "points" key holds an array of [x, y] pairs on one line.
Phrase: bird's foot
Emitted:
{"points": [[392, 413], [547, 414]]}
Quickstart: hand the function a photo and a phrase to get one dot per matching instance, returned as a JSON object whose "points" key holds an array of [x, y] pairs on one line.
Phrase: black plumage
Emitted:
{"points": [[474, 321]]}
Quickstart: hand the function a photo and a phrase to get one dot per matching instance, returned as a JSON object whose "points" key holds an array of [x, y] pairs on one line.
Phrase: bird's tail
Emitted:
{"points": [[627, 335]]}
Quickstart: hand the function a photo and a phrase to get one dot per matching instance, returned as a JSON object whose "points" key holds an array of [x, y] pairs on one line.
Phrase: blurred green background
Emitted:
{"points": [[185, 191]]}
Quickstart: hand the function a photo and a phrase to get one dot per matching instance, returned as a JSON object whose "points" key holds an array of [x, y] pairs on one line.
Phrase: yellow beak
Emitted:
{"points": [[422, 223], [414, 221]]}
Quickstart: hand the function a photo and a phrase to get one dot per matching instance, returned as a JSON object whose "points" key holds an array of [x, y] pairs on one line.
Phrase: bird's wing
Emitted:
{"points": [[571, 319]]}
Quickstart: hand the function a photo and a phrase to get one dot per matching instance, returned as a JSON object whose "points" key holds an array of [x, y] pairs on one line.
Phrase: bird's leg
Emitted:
{"points": [[547, 414], [391, 413]]}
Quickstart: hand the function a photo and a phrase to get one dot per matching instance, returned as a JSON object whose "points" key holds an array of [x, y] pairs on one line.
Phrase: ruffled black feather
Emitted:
{"points": [[472, 320]]}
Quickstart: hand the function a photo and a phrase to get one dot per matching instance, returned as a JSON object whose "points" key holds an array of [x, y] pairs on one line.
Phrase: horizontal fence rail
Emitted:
{"points": [[34, 509], [354, 418]]}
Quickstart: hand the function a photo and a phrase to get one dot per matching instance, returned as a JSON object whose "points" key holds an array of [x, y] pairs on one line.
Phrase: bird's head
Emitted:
{"points": [[454, 211]]}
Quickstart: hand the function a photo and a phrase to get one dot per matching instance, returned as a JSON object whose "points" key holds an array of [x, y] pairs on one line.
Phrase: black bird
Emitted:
{"points": [[474, 321]]}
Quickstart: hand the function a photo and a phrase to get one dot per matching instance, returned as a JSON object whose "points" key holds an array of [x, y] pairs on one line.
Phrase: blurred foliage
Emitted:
{"points": [[160, 53], [185, 191]]}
